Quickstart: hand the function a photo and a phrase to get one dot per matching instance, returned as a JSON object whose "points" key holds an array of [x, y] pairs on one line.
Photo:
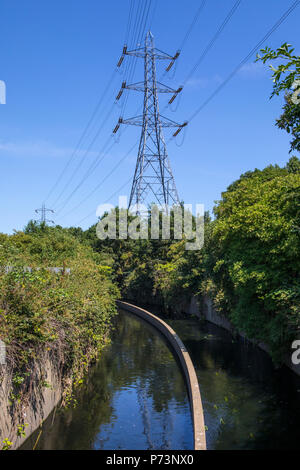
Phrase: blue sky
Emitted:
{"points": [[56, 60]]}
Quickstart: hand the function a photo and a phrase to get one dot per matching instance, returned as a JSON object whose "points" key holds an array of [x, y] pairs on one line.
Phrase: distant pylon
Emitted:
{"points": [[153, 179], [43, 212]]}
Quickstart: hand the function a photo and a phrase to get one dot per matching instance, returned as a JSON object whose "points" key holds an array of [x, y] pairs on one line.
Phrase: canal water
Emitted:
{"points": [[135, 398], [248, 404]]}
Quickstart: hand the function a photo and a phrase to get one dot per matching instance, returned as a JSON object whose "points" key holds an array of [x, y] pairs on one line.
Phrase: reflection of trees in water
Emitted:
{"points": [[137, 357], [146, 418], [153, 368], [247, 404], [166, 422], [145, 357], [259, 408]]}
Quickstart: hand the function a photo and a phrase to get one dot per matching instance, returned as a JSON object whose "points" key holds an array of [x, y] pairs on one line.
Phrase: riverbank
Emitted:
{"points": [[53, 325], [248, 264], [134, 397], [202, 307], [20, 417], [248, 404]]}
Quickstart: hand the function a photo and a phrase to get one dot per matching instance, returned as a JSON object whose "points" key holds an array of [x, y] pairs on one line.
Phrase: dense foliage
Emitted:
{"points": [[286, 78], [254, 255], [249, 264], [66, 314]]}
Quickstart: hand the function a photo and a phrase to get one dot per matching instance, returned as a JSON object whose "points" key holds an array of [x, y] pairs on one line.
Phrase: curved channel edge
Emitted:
{"points": [[187, 366]]}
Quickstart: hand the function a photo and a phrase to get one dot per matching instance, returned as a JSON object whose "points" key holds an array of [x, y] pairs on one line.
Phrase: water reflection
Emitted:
{"points": [[135, 398], [247, 403]]}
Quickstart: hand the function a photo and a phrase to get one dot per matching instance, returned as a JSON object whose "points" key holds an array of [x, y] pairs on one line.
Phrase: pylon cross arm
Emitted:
{"points": [[161, 55], [161, 88], [134, 121], [156, 53], [139, 121], [137, 52], [166, 122], [140, 86]]}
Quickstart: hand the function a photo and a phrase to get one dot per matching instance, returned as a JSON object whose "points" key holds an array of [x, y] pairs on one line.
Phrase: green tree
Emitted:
{"points": [[286, 78], [253, 255]]}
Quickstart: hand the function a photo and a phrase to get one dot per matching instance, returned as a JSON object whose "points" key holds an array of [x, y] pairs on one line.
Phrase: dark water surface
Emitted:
{"points": [[247, 403], [134, 398]]}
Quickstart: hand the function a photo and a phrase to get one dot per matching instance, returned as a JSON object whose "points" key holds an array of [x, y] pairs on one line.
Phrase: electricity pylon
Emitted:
{"points": [[43, 212], [153, 177]]}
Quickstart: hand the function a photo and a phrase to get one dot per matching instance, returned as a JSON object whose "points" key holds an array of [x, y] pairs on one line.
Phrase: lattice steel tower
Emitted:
{"points": [[43, 210], [153, 179]]}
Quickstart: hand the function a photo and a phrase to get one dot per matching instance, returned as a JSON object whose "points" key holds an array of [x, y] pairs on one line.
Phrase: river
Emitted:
{"points": [[247, 403], [136, 398]]}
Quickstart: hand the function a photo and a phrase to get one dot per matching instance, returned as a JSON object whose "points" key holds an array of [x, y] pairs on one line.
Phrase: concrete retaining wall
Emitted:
{"points": [[43, 399], [187, 366], [38, 406], [209, 313]]}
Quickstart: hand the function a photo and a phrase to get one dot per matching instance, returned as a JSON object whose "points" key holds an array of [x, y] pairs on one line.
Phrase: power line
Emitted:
{"points": [[153, 174], [143, 16], [134, 32], [102, 181], [257, 46], [153, 14], [128, 153], [84, 155], [186, 37], [246, 58], [213, 40], [193, 23], [73, 154], [133, 63], [83, 134], [93, 166], [141, 32], [207, 49], [138, 30], [129, 21], [88, 172], [107, 200]]}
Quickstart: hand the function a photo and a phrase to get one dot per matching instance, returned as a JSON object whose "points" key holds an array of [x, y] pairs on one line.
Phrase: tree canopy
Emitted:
{"points": [[286, 78]]}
